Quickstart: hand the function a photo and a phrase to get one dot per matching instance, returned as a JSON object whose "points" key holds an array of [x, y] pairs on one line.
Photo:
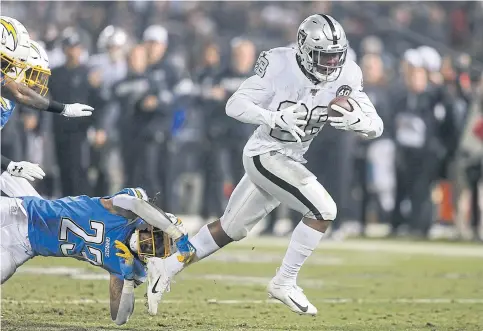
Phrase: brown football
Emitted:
{"points": [[340, 101]]}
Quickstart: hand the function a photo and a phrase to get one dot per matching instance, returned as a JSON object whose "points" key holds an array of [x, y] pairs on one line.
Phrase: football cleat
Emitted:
{"points": [[158, 283], [292, 296]]}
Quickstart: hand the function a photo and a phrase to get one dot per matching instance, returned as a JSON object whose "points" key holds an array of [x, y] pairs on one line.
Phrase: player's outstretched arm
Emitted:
{"points": [[28, 97], [156, 217], [148, 212], [121, 299]]}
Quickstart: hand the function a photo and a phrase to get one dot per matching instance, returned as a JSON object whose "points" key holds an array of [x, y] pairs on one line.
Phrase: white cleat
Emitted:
{"points": [[158, 283], [292, 296]]}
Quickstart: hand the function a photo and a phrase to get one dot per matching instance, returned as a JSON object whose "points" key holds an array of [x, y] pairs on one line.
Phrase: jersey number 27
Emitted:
{"points": [[95, 255]]}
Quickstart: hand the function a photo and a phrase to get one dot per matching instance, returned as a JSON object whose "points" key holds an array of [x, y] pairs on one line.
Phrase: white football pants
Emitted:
{"points": [[16, 186], [15, 247], [271, 179]]}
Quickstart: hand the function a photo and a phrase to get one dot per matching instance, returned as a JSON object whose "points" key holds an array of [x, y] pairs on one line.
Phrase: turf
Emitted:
{"points": [[356, 286]]}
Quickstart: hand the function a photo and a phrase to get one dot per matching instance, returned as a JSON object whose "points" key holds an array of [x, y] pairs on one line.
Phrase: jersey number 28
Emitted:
{"points": [[95, 255], [316, 118]]}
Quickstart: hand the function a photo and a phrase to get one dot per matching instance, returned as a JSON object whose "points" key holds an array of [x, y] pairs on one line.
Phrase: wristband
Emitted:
{"points": [[55, 107]]}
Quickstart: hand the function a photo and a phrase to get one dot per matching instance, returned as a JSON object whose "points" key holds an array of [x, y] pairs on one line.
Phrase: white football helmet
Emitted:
{"points": [[322, 47], [38, 71], [14, 47]]}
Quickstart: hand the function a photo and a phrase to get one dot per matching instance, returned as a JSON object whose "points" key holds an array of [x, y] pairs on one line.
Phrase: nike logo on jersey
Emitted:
{"points": [[153, 290], [304, 309]]}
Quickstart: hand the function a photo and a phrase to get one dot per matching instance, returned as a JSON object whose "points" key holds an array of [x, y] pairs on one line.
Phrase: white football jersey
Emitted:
{"points": [[279, 82]]}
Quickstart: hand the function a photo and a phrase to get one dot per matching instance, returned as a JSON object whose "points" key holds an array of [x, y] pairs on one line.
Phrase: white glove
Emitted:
{"points": [[77, 110], [177, 222], [26, 170], [290, 118], [354, 120]]}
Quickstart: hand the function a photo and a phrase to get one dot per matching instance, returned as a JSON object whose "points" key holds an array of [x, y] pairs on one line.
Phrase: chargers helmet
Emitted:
{"points": [[14, 47], [38, 71]]}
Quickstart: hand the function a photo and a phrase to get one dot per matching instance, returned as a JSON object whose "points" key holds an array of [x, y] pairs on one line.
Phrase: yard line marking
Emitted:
{"points": [[381, 246], [85, 274], [268, 301]]}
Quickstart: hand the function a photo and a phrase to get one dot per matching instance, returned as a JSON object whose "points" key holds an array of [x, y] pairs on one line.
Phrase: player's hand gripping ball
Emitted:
{"points": [[340, 101]]}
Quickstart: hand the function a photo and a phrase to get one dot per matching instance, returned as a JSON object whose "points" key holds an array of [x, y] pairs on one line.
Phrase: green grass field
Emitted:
{"points": [[356, 285]]}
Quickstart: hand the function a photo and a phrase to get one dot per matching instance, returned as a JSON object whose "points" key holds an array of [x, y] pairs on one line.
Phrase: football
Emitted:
{"points": [[341, 101]]}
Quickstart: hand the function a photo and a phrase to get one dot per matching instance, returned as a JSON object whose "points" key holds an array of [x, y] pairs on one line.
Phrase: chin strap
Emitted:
{"points": [[307, 74]]}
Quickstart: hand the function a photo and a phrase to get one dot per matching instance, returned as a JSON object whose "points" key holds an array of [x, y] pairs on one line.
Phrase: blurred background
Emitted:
{"points": [[159, 74]]}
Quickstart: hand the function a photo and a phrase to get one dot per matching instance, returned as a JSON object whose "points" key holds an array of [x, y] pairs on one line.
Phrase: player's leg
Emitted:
{"points": [[247, 206], [291, 183], [16, 186], [15, 248]]}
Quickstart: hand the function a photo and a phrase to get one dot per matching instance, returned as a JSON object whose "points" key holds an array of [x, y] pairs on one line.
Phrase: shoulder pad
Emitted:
{"points": [[351, 75], [270, 63]]}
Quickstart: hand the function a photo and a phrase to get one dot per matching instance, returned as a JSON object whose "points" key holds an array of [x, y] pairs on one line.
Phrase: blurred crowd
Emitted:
{"points": [[159, 74]]}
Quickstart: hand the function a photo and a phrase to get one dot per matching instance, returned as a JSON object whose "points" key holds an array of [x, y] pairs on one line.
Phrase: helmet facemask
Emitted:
{"points": [[37, 79], [11, 68], [152, 242], [325, 65]]}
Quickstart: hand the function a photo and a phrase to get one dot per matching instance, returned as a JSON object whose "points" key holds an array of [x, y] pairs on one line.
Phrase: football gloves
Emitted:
{"points": [[290, 118], [354, 120], [129, 265], [77, 110], [24, 169], [185, 249]]}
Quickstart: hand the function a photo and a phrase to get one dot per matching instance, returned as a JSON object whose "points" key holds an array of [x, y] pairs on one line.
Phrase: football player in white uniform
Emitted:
{"points": [[288, 99]]}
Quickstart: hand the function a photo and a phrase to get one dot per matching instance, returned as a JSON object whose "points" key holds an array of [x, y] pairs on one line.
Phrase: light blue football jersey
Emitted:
{"points": [[79, 227], [6, 105], [7, 110]]}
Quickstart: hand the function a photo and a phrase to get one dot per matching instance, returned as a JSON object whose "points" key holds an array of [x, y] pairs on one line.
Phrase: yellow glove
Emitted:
{"points": [[125, 252]]}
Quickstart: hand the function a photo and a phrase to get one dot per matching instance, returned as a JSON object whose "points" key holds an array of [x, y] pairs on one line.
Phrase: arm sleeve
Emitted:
{"points": [[151, 214], [375, 126], [247, 103], [5, 162], [121, 310]]}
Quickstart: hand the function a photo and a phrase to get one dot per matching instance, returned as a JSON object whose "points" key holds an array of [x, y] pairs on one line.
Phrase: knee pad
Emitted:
{"points": [[331, 213], [321, 200]]}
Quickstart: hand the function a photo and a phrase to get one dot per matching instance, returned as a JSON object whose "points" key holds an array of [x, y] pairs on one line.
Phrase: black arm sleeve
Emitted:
{"points": [[5, 162]]}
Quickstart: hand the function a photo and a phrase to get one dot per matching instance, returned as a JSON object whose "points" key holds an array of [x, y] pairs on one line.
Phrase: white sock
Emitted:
{"points": [[304, 240], [203, 242]]}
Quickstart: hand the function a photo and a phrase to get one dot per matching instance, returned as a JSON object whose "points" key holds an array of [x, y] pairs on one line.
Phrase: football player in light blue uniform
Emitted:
{"points": [[19, 86], [119, 233], [7, 110]]}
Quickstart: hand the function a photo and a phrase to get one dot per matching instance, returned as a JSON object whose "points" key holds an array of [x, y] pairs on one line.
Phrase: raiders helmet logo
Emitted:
{"points": [[343, 91], [301, 38]]}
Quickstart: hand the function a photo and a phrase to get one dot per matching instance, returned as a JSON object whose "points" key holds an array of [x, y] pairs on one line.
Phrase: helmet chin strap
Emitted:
{"points": [[307, 74], [133, 242]]}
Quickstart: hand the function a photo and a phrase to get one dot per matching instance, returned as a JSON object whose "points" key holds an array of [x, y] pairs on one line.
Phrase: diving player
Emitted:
{"points": [[119, 233], [14, 54], [288, 98]]}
